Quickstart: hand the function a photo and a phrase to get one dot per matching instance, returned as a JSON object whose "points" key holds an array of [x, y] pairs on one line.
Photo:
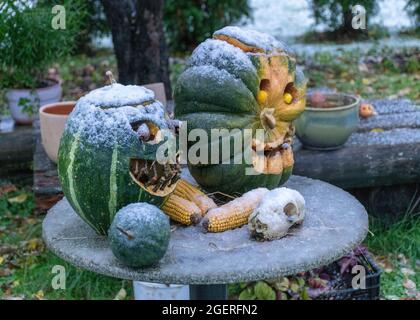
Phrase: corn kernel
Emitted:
{"points": [[189, 192], [181, 210]]}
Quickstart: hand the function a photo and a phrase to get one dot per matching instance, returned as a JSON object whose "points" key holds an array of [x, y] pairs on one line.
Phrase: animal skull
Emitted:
{"points": [[277, 212]]}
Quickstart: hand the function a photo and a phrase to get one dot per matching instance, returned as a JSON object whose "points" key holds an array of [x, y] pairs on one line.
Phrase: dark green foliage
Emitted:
{"points": [[29, 44], [337, 15], [189, 22], [92, 19], [413, 7]]}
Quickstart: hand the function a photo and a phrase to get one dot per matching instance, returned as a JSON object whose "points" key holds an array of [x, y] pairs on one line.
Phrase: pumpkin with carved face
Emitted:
{"points": [[241, 80]]}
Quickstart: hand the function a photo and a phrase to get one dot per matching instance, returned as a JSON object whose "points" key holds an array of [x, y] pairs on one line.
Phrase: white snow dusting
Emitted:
{"points": [[104, 116], [253, 38]]}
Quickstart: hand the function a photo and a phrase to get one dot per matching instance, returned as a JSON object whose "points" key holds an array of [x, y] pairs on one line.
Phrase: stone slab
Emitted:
{"points": [[16, 150], [335, 223], [385, 150]]}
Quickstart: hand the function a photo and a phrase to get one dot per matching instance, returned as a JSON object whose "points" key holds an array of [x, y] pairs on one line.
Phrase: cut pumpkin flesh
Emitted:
{"points": [[273, 157], [157, 179]]}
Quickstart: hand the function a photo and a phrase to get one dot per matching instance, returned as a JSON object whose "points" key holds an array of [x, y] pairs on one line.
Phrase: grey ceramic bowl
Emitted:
{"points": [[328, 128]]}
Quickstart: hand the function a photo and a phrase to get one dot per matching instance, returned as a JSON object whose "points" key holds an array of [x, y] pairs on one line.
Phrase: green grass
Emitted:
{"points": [[80, 284], [27, 271], [397, 247], [402, 236], [380, 73]]}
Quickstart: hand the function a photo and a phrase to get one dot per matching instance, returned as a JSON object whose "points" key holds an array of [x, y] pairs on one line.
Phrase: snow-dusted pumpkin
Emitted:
{"points": [[242, 79], [139, 235], [107, 152]]}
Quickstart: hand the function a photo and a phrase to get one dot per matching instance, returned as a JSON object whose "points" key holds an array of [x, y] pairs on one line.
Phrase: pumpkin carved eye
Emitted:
{"points": [[290, 93], [265, 85]]}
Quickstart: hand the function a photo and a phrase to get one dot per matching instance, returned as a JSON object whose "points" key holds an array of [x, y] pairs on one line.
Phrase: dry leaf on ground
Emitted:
{"points": [[121, 295], [18, 199]]}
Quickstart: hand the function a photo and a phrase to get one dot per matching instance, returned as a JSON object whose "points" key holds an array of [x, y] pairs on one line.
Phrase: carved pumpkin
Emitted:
{"points": [[242, 80], [107, 153]]}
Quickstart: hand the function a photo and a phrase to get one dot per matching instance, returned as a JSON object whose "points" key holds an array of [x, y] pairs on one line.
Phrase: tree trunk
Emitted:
{"points": [[139, 41]]}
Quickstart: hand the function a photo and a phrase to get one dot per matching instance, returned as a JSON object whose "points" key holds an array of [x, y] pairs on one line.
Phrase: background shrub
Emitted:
{"points": [[189, 22], [29, 44], [337, 15]]}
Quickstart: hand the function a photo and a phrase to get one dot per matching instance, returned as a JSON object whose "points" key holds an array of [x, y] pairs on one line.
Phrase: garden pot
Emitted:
{"points": [[34, 98], [328, 128], [159, 89], [52, 119]]}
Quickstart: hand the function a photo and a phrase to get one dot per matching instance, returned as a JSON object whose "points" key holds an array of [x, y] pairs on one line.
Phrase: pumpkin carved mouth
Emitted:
{"points": [[157, 179], [277, 155]]}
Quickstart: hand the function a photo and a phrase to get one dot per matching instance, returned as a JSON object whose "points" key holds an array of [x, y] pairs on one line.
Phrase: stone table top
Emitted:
{"points": [[335, 223]]}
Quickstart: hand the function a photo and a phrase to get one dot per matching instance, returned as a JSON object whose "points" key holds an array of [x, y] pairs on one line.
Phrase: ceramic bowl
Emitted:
{"points": [[328, 128]]}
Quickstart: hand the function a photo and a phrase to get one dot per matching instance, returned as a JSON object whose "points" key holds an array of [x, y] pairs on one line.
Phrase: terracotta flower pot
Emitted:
{"points": [[35, 98], [53, 118]]}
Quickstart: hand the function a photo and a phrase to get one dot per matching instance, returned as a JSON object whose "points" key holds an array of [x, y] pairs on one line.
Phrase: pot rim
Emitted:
{"points": [[348, 106], [56, 83], [55, 104]]}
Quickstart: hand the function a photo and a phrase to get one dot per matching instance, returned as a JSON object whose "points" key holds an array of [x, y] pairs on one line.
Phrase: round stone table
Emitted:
{"points": [[335, 223]]}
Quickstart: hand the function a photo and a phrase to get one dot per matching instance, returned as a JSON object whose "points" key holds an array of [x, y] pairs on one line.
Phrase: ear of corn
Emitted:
{"points": [[234, 213], [181, 210], [188, 191]]}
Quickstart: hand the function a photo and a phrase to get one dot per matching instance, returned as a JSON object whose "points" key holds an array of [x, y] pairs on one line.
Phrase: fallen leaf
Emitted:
{"points": [[4, 249], [5, 272], [34, 244], [409, 284], [294, 287], [385, 264], [18, 199], [2, 260], [121, 295], [283, 284], [15, 283], [264, 292], [407, 271], [366, 81], [377, 130], [39, 295], [363, 67], [7, 188], [402, 259], [404, 92]]}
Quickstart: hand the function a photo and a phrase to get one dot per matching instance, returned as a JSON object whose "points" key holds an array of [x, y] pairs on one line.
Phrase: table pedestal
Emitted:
{"points": [[208, 292], [159, 291]]}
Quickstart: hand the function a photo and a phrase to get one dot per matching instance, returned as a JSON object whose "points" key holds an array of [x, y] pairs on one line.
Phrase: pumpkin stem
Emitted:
{"points": [[268, 117], [127, 233], [110, 77]]}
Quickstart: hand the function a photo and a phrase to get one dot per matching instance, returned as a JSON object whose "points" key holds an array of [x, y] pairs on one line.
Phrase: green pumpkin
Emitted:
{"points": [[100, 149], [242, 80], [139, 235]]}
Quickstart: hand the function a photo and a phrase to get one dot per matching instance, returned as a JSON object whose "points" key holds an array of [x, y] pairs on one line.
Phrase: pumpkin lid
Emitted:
{"points": [[118, 95], [251, 40]]}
